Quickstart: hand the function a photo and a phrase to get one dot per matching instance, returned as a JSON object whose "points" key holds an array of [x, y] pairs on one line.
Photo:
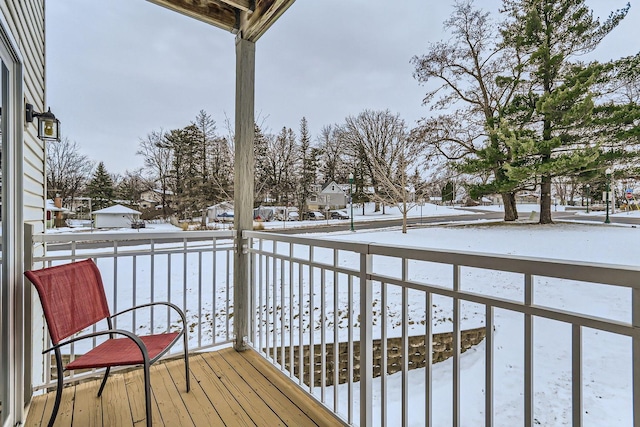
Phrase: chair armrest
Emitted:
{"points": [[130, 335], [151, 304]]}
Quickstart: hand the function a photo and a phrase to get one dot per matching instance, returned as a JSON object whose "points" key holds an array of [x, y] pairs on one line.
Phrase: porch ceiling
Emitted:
{"points": [[250, 17]]}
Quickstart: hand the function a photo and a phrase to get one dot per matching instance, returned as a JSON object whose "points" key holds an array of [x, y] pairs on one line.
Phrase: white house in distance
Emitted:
{"points": [[330, 195], [116, 216]]}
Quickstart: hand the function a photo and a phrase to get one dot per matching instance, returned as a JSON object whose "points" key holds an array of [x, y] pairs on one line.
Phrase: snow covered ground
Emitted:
{"points": [[606, 357]]}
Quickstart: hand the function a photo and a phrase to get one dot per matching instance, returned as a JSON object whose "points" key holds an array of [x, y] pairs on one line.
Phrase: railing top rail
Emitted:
{"points": [[360, 247], [612, 274], [118, 236]]}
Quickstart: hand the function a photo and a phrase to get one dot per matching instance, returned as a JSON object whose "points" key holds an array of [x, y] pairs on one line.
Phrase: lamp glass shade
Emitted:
{"points": [[48, 128]]}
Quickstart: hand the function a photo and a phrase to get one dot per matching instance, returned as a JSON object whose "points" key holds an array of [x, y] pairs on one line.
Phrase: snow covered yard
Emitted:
{"points": [[606, 359]]}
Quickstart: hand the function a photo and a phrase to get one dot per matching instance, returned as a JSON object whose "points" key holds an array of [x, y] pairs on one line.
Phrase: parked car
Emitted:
{"points": [[339, 215], [293, 216], [313, 215]]}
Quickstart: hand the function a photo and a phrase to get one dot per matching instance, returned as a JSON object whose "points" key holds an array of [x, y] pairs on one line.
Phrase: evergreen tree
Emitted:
{"points": [[545, 130], [101, 188], [447, 192], [262, 165], [184, 144], [307, 167]]}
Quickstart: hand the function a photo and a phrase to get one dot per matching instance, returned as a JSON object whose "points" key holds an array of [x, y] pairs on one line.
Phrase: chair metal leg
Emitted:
{"points": [[147, 393], [104, 381], [59, 388], [186, 361]]}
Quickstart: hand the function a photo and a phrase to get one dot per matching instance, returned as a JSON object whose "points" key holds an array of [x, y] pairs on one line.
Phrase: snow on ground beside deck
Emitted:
{"points": [[606, 358]]}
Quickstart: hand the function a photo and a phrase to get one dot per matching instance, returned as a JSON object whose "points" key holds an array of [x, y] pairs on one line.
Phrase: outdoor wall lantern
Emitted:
{"points": [[48, 125]]}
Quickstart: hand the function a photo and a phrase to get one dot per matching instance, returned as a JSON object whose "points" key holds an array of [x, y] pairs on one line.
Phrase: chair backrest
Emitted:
{"points": [[72, 297]]}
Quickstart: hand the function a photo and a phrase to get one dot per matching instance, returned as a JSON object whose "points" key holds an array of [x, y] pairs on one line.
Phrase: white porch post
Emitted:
{"points": [[243, 185]]}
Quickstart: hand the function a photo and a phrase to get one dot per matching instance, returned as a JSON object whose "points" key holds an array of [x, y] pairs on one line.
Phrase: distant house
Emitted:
{"points": [[116, 216], [151, 198], [52, 211], [220, 212], [330, 195], [526, 197]]}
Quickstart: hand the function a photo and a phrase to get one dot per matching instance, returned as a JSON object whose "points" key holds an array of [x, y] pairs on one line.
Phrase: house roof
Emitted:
{"points": [[116, 209], [222, 205], [252, 18], [53, 208]]}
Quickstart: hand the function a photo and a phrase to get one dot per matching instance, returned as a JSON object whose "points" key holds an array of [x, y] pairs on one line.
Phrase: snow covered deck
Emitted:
{"points": [[228, 389]]}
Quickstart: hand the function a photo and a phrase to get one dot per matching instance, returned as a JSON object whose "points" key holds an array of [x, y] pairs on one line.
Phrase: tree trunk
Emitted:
{"points": [[510, 210], [404, 217], [545, 200]]}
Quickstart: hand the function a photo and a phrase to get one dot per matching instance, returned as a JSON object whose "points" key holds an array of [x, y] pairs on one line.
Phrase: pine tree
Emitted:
{"points": [[547, 120], [101, 188], [307, 166]]}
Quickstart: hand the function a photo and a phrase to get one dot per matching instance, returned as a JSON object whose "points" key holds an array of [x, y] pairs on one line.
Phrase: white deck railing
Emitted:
{"points": [[312, 292], [309, 293], [191, 269]]}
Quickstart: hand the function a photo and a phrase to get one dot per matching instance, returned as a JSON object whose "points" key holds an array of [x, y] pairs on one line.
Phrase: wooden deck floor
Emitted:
{"points": [[227, 389]]}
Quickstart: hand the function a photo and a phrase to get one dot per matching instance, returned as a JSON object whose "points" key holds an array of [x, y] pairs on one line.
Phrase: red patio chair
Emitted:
{"points": [[73, 298]]}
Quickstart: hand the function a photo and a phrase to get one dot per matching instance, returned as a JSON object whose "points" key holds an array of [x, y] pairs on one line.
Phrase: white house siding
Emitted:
{"points": [[23, 21]]}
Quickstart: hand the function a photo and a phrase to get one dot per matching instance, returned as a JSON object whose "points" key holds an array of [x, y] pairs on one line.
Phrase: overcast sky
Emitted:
{"points": [[121, 69]]}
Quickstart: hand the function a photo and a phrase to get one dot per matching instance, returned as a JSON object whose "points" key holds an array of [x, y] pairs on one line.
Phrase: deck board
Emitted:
{"points": [[228, 389]]}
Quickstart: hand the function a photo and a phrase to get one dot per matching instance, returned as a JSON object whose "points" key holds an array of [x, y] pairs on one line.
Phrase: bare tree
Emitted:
{"points": [[476, 79], [158, 160], [332, 153], [68, 171], [392, 175], [372, 137], [279, 164]]}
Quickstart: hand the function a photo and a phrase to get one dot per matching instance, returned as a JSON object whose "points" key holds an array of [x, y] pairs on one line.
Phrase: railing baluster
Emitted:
{"points": [[428, 354], [267, 298], [229, 255], [311, 324], [635, 354], [292, 361], [199, 313], [214, 304], [261, 310], [184, 278], [323, 338], [133, 290], [168, 291], [350, 347], [576, 375], [528, 353], [384, 353], [336, 337], [282, 316], [274, 281], [300, 325], [488, 379], [456, 347], [405, 350], [152, 281], [366, 341], [115, 283]]}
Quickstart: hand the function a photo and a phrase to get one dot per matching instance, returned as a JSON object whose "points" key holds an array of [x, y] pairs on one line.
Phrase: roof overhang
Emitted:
{"points": [[251, 18]]}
